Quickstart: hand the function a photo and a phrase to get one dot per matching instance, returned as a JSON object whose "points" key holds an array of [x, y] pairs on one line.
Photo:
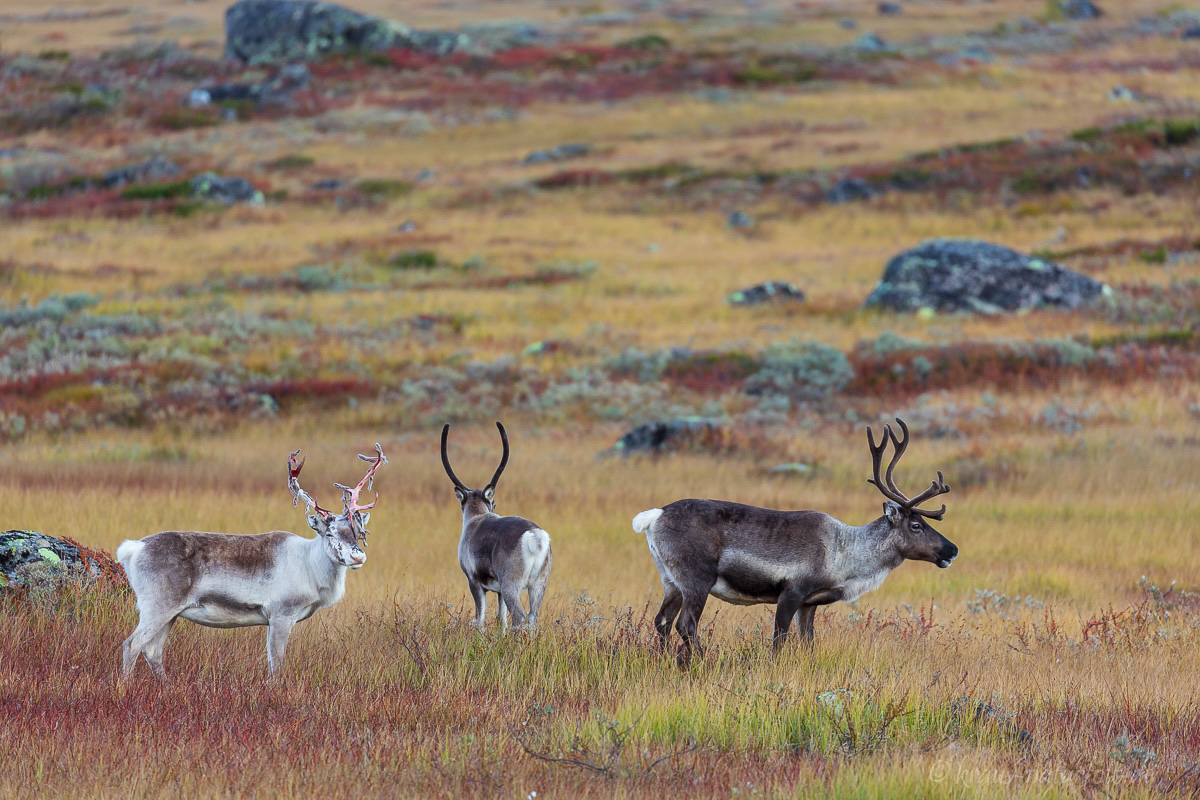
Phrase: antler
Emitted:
{"points": [[446, 461], [503, 459], [350, 496], [887, 486], [299, 494]]}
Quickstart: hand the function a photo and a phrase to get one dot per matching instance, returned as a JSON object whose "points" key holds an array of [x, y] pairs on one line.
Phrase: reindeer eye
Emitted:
{"points": [[916, 526]]}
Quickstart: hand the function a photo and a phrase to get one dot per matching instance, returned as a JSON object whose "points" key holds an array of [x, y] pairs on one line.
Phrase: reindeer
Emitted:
{"points": [[222, 580], [505, 555], [798, 560]]}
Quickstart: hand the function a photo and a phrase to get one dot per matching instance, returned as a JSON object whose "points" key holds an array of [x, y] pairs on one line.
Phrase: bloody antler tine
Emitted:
{"points": [[299, 494]]}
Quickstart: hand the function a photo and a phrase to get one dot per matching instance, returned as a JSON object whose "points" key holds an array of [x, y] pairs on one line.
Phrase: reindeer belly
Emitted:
{"points": [[744, 581], [215, 611]]}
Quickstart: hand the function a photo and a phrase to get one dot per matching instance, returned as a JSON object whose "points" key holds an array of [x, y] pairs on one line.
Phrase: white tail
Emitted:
{"points": [[128, 549], [643, 521]]}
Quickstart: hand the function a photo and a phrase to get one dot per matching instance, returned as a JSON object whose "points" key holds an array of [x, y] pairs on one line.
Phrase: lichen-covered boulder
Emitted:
{"points": [[282, 31], [227, 191], [966, 275], [676, 434], [34, 561]]}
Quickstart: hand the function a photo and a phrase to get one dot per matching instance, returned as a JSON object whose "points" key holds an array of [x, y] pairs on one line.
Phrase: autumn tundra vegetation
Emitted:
{"points": [[682, 250]]}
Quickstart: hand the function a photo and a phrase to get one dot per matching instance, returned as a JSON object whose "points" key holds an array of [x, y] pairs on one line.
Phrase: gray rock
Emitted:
{"points": [[1079, 9], [281, 31], [765, 293], [562, 152], [845, 23], [1191, 32], [740, 220], [33, 561], [657, 437], [889, 9], [870, 43], [966, 275], [227, 191], [158, 168], [850, 190]]}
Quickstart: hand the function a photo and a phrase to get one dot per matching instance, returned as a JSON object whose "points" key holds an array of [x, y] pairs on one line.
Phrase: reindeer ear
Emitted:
{"points": [[363, 518], [893, 513], [462, 497], [318, 523], [489, 494]]}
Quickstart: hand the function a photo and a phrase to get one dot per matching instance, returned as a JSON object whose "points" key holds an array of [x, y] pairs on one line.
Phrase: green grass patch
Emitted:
{"points": [[415, 259], [291, 161], [389, 188], [181, 119]]}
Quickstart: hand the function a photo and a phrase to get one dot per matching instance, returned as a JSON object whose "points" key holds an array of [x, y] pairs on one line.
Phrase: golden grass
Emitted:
{"points": [[389, 694]]}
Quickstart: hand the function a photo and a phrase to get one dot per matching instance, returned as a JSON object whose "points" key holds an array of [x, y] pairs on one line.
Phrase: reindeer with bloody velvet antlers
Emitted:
{"points": [[799, 560], [224, 580]]}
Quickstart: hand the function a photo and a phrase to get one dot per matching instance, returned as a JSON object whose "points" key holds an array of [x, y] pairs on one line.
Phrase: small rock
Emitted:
{"points": [[657, 437], [850, 190], [966, 275], [1123, 94], [227, 191], [976, 53], [889, 9], [791, 468], [1079, 9], [562, 152], [198, 98], [847, 24], [1192, 32], [870, 43], [979, 711], [158, 168], [740, 220], [329, 185], [765, 293], [406, 227]]}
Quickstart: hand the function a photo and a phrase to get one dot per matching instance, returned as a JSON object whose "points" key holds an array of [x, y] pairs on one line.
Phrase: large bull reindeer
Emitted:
{"points": [[223, 580], [799, 560]]}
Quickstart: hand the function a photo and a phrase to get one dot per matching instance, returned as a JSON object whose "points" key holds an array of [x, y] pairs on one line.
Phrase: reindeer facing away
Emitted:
{"points": [[222, 580], [505, 555], [797, 559]]}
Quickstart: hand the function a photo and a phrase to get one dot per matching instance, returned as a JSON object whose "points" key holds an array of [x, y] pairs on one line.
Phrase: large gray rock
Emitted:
{"points": [[967, 275], [676, 434], [36, 562], [280, 31]]}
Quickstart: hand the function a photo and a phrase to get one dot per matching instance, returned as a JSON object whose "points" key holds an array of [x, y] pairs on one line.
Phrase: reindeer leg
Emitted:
{"points": [[479, 594], [804, 622], [787, 607], [537, 592], [688, 625], [511, 596], [148, 628], [665, 618], [278, 631], [501, 612], [153, 651]]}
